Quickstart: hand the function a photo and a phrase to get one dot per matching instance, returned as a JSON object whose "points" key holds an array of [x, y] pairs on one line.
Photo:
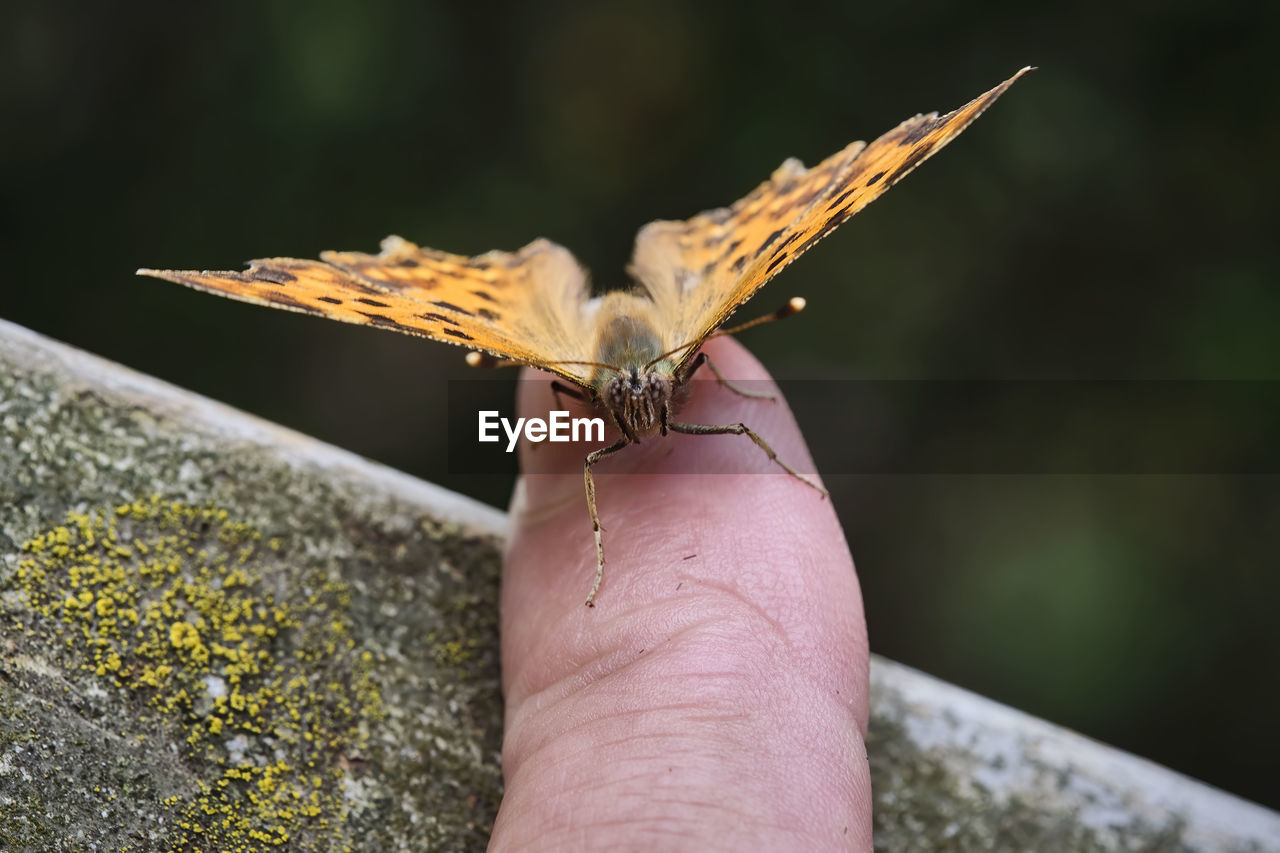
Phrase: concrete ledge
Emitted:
{"points": [[956, 771], [221, 634]]}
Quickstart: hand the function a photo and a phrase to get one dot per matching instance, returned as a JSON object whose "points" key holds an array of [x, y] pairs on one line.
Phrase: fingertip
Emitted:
{"points": [[721, 498], [716, 564]]}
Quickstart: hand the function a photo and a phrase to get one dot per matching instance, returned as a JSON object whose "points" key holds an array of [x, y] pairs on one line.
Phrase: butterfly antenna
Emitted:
{"points": [[483, 359], [613, 367], [794, 306]]}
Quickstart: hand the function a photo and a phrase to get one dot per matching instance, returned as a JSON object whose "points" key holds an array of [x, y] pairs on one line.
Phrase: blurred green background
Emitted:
{"points": [[1111, 217]]}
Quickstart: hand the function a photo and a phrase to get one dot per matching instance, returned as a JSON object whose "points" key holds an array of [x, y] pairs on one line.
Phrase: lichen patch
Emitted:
{"points": [[264, 688]]}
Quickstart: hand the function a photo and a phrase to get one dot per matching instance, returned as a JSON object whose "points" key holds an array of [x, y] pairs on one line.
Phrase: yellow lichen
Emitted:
{"points": [[169, 602]]}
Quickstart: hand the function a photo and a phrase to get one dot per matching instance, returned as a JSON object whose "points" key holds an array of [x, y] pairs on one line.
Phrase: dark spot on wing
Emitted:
{"points": [[382, 321], [285, 301], [277, 276], [407, 262], [486, 297], [830, 226], [463, 335], [874, 179], [839, 200], [774, 236], [487, 314], [920, 131], [739, 263], [331, 300], [908, 164], [439, 318], [779, 259], [453, 307], [375, 303]]}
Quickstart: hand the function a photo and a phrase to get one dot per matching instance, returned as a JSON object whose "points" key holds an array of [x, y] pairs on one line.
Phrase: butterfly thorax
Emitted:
{"points": [[638, 388]]}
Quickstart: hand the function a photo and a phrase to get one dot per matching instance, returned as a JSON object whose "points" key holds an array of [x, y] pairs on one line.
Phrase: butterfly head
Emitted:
{"points": [[635, 380], [639, 396]]}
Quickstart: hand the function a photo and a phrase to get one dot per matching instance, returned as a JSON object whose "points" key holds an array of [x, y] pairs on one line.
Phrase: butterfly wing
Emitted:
{"points": [[524, 306], [699, 271]]}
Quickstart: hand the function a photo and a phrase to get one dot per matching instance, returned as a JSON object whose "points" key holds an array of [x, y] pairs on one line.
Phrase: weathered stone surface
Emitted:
{"points": [[217, 634], [954, 771], [221, 635]]}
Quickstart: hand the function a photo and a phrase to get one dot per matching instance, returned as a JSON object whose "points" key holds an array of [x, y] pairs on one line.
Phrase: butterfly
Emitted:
{"points": [[630, 353]]}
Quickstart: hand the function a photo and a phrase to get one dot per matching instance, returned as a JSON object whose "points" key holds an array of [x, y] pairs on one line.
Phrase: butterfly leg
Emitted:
{"points": [[558, 388], [592, 458], [702, 359], [742, 429]]}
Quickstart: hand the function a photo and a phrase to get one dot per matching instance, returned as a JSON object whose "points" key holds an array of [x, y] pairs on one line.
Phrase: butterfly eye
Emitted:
{"points": [[659, 389]]}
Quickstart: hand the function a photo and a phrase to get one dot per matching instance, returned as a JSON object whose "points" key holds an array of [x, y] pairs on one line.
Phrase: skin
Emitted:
{"points": [[711, 703]]}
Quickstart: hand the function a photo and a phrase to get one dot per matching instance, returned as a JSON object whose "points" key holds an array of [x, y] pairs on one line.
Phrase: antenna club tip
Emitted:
{"points": [[475, 359], [797, 304]]}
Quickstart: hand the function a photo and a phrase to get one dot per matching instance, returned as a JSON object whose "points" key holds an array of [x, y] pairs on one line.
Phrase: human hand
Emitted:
{"points": [[714, 701]]}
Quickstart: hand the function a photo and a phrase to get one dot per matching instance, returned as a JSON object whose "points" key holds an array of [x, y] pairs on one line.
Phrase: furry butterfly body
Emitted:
{"points": [[630, 353]]}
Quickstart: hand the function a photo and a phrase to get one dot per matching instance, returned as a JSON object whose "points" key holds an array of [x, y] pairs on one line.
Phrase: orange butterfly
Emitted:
{"points": [[628, 353]]}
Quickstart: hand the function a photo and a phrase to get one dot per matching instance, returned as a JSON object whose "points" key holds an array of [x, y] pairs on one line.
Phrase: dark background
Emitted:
{"points": [[1110, 218]]}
